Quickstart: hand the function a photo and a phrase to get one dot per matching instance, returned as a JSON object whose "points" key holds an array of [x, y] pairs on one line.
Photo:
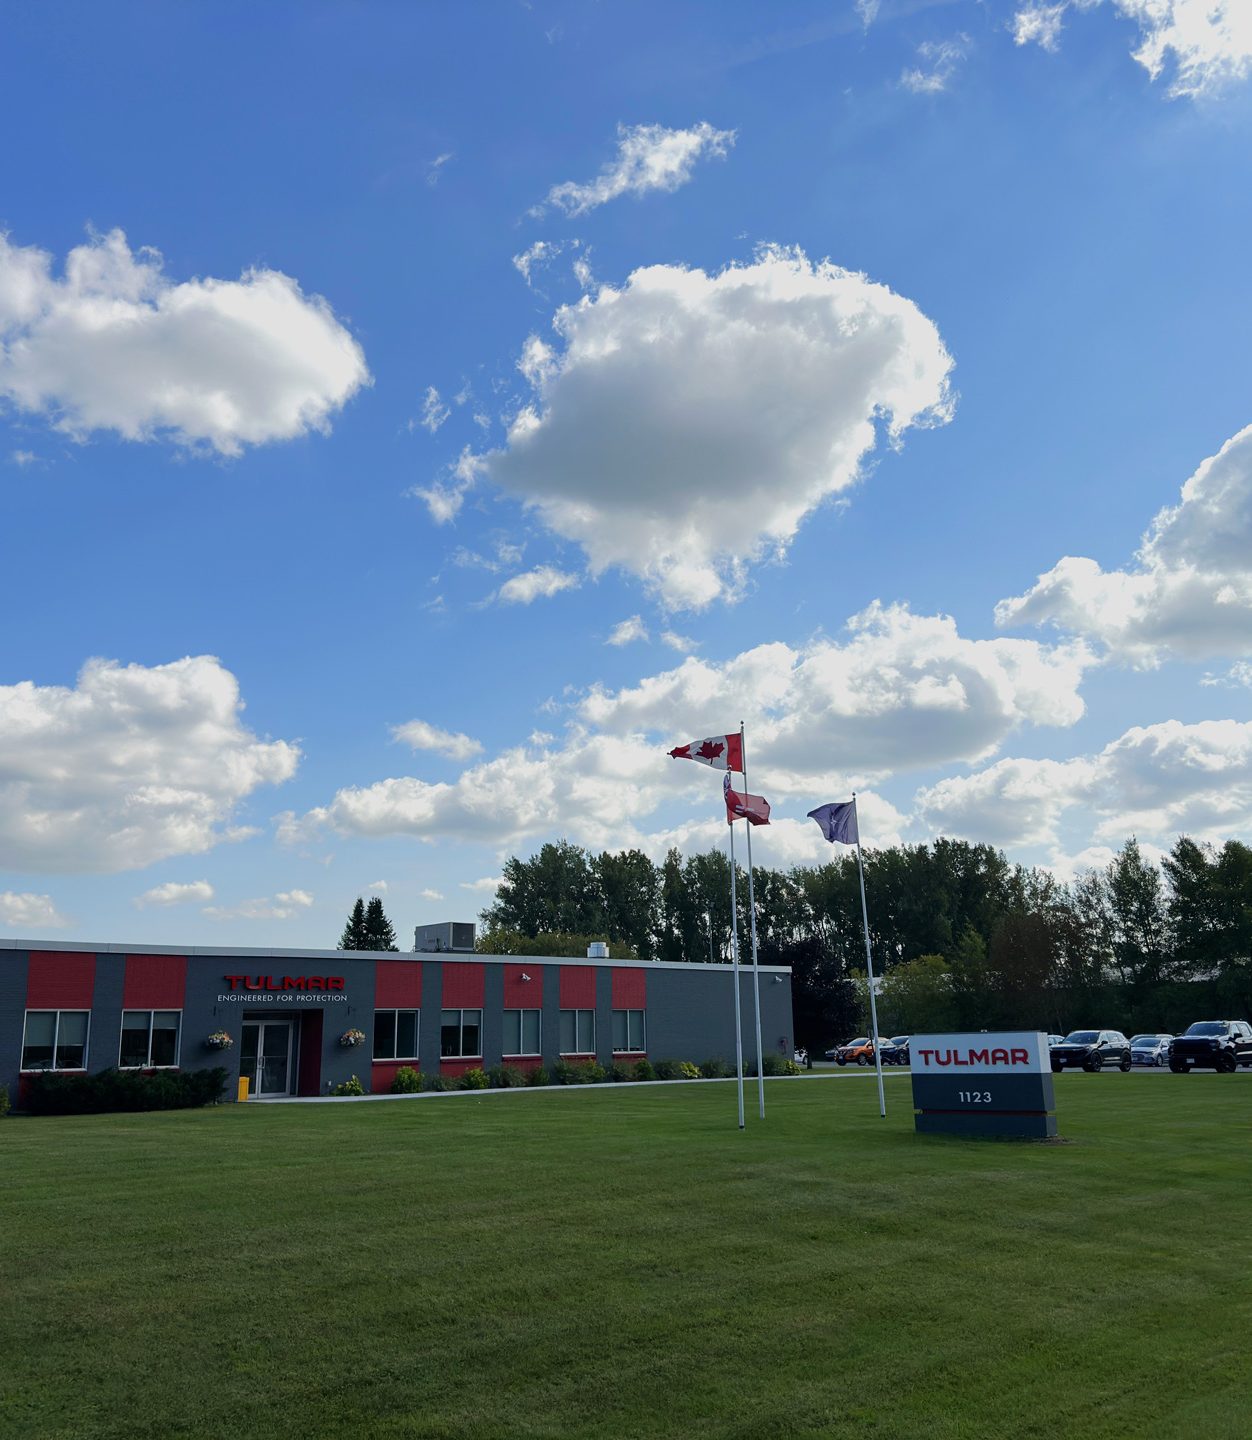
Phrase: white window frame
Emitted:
{"points": [[396, 1012], [643, 1032], [521, 1031], [54, 1068], [462, 1011], [576, 1012], [148, 1065]]}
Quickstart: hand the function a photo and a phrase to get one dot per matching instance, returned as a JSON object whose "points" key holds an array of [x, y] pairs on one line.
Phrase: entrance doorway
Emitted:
{"points": [[265, 1057]]}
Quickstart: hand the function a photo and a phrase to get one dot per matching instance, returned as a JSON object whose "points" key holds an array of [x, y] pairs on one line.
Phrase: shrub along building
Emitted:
{"points": [[300, 1022]]}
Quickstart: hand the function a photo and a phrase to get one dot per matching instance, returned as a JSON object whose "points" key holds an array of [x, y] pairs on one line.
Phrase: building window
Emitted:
{"points": [[459, 1032], [395, 1034], [521, 1032], [578, 1032], [628, 1034], [149, 1039], [55, 1040]]}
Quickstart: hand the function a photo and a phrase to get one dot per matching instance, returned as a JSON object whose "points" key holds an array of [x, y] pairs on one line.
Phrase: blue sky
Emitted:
{"points": [[838, 311]]}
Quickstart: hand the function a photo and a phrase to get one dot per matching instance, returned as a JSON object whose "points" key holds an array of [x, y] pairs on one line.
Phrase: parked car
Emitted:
{"points": [[1149, 1049], [1212, 1044], [1054, 1040], [856, 1052], [801, 1056], [1091, 1050], [896, 1050]]}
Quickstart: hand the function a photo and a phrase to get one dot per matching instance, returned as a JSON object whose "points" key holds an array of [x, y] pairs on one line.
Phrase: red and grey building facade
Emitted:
{"points": [[291, 1014]]}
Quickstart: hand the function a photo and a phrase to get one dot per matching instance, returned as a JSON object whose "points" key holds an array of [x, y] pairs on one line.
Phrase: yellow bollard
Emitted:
{"points": [[243, 1088]]}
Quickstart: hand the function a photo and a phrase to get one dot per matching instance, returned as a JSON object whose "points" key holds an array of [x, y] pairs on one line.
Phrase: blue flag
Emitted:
{"points": [[837, 821]]}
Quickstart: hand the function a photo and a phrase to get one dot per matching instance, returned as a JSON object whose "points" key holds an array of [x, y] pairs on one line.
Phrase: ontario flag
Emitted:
{"points": [[722, 752], [752, 808]]}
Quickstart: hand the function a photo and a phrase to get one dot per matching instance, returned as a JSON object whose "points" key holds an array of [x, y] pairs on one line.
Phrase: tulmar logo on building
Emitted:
{"points": [[290, 988], [288, 982]]}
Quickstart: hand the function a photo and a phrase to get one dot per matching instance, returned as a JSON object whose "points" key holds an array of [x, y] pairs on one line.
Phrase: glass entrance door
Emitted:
{"points": [[265, 1057]]}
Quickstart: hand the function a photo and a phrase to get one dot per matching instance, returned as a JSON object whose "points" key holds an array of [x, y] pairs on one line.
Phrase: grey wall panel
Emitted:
{"points": [[432, 1005], [13, 966], [604, 1015], [550, 1039], [104, 1043]]}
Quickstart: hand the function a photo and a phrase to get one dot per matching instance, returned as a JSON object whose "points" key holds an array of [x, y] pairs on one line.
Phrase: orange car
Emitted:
{"points": [[860, 1052]]}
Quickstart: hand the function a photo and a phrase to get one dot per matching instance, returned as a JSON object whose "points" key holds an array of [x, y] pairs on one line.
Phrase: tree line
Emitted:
{"points": [[962, 938]]}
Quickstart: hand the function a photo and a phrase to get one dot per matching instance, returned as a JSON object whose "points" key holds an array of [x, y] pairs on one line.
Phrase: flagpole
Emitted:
{"points": [[869, 964], [734, 951], [756, 968]]}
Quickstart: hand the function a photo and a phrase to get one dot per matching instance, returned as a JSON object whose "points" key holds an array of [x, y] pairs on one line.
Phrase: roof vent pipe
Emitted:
{"points": [[597, 950]]}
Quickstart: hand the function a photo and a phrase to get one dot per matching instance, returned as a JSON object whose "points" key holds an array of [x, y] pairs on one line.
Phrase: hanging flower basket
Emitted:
{"points": [[219, 1040], [351, 1038]]}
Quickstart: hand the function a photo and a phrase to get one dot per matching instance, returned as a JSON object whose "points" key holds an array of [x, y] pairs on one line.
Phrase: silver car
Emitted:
{"points": [[1150, 1049]]}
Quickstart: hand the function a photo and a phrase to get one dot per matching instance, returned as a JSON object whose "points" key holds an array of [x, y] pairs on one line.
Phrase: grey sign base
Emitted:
{"points": [[1019, 1126]]}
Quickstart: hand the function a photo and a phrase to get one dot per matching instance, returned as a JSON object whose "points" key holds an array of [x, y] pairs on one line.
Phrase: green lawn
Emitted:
{"points": [[624, 1263]]}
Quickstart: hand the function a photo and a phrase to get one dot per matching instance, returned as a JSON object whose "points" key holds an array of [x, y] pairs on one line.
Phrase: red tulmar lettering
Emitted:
{"points": [[965, 1058], [288, 982]]}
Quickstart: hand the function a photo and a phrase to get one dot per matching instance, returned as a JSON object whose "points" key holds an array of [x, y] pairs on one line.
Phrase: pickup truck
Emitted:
{"points": [[1212, 1045]]}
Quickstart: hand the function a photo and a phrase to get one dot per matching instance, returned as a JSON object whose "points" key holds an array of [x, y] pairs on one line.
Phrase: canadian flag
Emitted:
{"points": [[752, 808], [722, 752]]}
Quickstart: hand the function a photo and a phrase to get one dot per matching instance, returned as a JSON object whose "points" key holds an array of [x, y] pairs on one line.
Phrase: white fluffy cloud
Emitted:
{"points": [[1154, 781], [691, 421], [627, 631], [901, 692], [1204, 45], [283, 906], [542, 582], [1190, 593], [431, 894], [175, 893], [379, 885], [25, 910], [115, 345], [434, 411], [134, 764], [649, 157], [418, 735]]}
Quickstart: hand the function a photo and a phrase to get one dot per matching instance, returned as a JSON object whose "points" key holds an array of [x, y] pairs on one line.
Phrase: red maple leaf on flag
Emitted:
{"points": [[710, 749]]}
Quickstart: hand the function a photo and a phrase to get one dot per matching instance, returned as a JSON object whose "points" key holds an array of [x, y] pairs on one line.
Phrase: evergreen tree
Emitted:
{"points": [[354, 935], [379, 931]]}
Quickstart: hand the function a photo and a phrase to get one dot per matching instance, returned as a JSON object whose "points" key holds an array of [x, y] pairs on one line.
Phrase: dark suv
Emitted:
{"points": [[1213, 1044], [1091, 1050]]}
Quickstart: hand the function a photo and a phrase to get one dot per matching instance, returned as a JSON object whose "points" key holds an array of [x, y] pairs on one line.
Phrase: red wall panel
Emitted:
{"points": [[456, 1068], [630, 989], [522, 994], [578, 987], [60, 980], [398, 985], [383, 1072], [462, 985], [154, 982]]}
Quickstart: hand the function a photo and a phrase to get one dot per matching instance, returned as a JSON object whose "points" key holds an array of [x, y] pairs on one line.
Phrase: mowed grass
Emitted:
{"points": [[625, 1263]]}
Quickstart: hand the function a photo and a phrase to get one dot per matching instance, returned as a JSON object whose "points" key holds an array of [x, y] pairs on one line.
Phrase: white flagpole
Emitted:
{"points": [[869, 963], [734, 951], [756, 968]]}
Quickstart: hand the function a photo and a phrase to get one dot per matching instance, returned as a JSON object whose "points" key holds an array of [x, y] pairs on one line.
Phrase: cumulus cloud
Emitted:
{"points": [[489, 884], [1204, 45], [132, 765], [1155, 781], [379, 885], [938, 61], [418, 735], [175, 893], [29, 911], [691, 421], [684, 644], [113, 344], [901, 692], [283, 906], [445, 496], [1189, 594], [431, 894], [649, 157], [627, 631], [543, 581]]}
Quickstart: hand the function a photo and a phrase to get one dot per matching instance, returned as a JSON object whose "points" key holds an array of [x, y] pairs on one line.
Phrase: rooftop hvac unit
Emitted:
{"points": [[455, 937], [597, 950]]}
